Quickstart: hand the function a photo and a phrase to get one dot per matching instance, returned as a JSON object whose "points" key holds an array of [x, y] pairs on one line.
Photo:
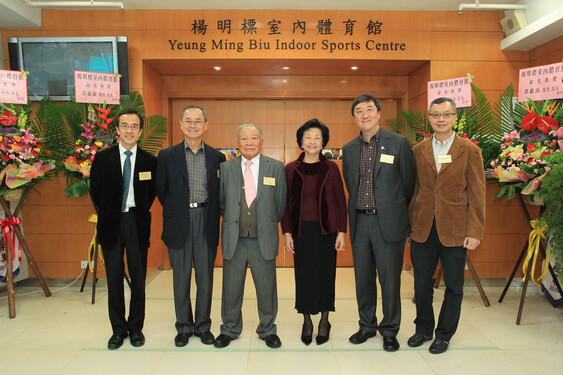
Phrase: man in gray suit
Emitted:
{"points": [[252, 198], [379, 172]]}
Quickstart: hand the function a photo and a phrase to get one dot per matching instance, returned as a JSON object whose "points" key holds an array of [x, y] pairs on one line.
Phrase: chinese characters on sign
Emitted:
{"points": [[457, 89], [261, 35], [541, 82], [96, 87], [13, 87]]}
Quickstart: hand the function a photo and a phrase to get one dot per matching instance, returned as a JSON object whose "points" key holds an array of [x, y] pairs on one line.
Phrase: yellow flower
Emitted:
{"points": [[78, 141], [17, 138], [84, 164], [14, 147], [98, 143], [537, 153], [515, 150], [1, 138]]}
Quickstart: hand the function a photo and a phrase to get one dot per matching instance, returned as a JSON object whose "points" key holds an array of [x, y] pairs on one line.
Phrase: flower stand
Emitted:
{"points": [[11, 224]]}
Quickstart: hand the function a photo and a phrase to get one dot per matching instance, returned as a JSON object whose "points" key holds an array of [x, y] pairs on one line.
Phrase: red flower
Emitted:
{"points": [[8, 118], [46, 150], [530, 122], [6, 158], [531, 147], [546, 153], [546, 124], [476, 142], [465, 136]]}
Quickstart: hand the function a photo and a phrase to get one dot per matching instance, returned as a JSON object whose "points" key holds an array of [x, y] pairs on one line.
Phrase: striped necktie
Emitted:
{"points": [[126, 179]]}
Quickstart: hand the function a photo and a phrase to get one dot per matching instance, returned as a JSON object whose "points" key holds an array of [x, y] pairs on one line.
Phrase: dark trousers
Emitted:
{"points": [[127, 242], [372, 255], [425, 258], [195, 249]]}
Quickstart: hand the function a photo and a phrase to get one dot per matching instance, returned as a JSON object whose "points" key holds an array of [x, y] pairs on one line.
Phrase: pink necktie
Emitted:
{"points": [[249, 188]]}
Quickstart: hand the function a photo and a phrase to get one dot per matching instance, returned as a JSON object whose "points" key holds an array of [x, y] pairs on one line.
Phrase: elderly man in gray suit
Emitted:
{"points": [[252, 198], [379, 172]]}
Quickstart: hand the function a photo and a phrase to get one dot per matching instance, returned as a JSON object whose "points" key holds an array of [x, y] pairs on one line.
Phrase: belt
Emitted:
{"points": [[130, 209], [196, 205], [367, 211]]}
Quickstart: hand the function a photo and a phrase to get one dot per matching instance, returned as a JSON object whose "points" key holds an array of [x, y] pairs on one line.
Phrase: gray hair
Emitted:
{"points": [[248, 125], [443, 100], [193, 107]]}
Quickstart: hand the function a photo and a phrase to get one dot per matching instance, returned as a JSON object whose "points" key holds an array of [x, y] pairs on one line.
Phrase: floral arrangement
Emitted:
{"points": [[24, 158], [522, 162], [94, 137]]}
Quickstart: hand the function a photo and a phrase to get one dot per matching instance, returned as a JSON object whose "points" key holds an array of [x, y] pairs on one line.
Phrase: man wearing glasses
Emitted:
{"points": [[123, 191], [447, 217], [187, 186]]}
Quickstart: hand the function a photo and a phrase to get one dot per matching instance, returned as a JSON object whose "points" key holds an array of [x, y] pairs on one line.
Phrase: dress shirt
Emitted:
{"points": [[131, 195], [254, 168], [368, 156], [197, 174], [441, 149]]}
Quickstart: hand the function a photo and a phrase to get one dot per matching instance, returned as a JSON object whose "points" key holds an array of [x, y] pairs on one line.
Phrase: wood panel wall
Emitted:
{"points": [[448, 44]]}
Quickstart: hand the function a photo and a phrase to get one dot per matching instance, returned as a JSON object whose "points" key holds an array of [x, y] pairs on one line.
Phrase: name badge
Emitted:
{"points": [[386, 158], [444, 159], [144, 176], [218, 173], [270, 181]]}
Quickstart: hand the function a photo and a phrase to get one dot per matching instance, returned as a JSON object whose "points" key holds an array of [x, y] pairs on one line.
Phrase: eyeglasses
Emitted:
{"points": [[190, 122], [129, 127], [446, 116]]}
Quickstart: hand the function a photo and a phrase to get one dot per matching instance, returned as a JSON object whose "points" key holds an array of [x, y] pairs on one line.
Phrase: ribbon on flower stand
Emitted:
{"points": [[10, 236], [93, 218], [537, 233]]}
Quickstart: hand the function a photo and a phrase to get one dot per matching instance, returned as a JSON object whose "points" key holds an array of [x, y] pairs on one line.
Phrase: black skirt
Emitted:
{"points": [[315, 269]]}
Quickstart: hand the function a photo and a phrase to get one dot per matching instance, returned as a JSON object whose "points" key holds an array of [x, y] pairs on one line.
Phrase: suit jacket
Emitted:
{"points": [[393, 183], [332, 202], [173, 191], [106, 190], [455, 197], [270, 205]]}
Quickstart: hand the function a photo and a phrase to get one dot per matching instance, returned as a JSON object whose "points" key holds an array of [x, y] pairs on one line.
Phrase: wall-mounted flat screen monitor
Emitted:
{"points": [[51, 62]]}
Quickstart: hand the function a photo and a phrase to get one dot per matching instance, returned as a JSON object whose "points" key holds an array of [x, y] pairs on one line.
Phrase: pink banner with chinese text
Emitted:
{"points": [[541, 82], [13, 87], [93, 87], [457, 89]]}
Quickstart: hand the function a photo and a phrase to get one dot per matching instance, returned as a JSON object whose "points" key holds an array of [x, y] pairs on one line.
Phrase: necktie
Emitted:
{"points": [[249, 188], [126, 178]]}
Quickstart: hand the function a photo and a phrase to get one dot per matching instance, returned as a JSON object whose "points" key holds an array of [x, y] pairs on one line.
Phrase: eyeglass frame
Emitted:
{"points": [[190, 122], [446, 116]]}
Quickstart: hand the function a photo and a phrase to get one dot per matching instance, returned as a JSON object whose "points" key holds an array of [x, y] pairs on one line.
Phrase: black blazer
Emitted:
{"points": [[106, 190], [173, 191]]}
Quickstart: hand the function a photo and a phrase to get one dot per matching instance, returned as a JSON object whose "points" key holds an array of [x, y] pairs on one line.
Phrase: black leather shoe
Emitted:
{"points": [[438, 346], [390, 344], [137, 339], [361, 336], [222, 341], [322, 339], [272, 341], [418, 339], [116, 340], [206, 337], [182, 339], [306, 338]]}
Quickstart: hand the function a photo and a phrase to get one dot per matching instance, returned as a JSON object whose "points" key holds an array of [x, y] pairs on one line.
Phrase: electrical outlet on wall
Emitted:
{"points": [[83, 264]]}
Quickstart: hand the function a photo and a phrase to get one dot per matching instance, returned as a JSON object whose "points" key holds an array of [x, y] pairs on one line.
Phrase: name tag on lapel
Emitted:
{"points": [[386, 158], [270, 181], [444, 159], [144, 176], [218, 173]]}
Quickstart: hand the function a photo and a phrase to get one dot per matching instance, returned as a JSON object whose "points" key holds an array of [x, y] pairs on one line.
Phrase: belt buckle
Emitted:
{"points": [[193, 205]]}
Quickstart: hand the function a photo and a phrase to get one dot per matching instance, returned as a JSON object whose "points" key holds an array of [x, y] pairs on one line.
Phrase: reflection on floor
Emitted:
{"points": [[65, 334]]}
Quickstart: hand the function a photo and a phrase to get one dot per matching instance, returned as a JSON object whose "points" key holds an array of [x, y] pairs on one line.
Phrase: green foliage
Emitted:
{"points": [[503, 111]]}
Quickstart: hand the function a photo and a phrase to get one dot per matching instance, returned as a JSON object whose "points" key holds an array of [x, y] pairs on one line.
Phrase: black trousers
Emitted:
{"points": [[425, 256], [127, 242]]}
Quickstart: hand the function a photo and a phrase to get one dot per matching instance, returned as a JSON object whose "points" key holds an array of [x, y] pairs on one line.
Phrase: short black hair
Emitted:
{"points": [[130, 111], [193, 107], [313, 123], [363, 99], [442, 100]]}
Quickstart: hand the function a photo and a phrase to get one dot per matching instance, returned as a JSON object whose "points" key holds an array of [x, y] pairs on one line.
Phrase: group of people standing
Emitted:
{"points": [[434, 195]]}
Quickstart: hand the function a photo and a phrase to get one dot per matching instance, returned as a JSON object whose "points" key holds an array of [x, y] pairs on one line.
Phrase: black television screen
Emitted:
{"points": [[51, 62]]}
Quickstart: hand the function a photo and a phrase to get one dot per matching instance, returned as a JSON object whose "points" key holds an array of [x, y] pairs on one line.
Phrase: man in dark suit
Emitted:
{"points": [[123, 191], [447, 215], [187, 186], [379, 172], [252, 197]]}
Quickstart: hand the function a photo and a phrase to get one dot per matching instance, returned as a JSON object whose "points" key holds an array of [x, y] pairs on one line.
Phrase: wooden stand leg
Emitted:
{"points": [[10, 283], [478, 282], [516, 266], [84, 278]]}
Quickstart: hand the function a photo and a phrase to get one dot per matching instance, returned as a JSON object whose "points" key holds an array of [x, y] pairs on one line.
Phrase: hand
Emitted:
{"points": [[471, 243], [340, 242], [288, 243], [408, 240]]}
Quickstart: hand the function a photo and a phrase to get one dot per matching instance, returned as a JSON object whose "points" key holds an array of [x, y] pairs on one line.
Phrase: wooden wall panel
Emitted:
{"points": [[548, 53]]}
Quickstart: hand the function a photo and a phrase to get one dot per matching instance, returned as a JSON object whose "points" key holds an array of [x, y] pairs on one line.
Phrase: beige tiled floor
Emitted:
{"points": [[65, 334]]}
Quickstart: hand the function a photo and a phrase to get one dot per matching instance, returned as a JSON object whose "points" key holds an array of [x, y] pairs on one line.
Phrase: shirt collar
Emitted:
{"points": [[447, 142], [374, 137], [186, 146], [123, 149]]}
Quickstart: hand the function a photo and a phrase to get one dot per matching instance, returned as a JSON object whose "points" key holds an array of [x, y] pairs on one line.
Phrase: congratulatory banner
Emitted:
{"points": [[320, 35]]}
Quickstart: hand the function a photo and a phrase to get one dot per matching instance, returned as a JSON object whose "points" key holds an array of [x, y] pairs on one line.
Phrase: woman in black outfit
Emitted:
{"points": [[314, 225]]}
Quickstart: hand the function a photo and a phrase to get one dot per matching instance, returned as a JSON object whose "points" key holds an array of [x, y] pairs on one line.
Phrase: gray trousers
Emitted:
{"points": [[195, 249], [263, 271], [372, 255]]}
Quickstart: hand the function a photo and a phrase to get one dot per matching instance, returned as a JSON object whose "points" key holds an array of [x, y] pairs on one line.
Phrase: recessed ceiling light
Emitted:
{"points": [[286, 67], [354, 68], [217, 68]]}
